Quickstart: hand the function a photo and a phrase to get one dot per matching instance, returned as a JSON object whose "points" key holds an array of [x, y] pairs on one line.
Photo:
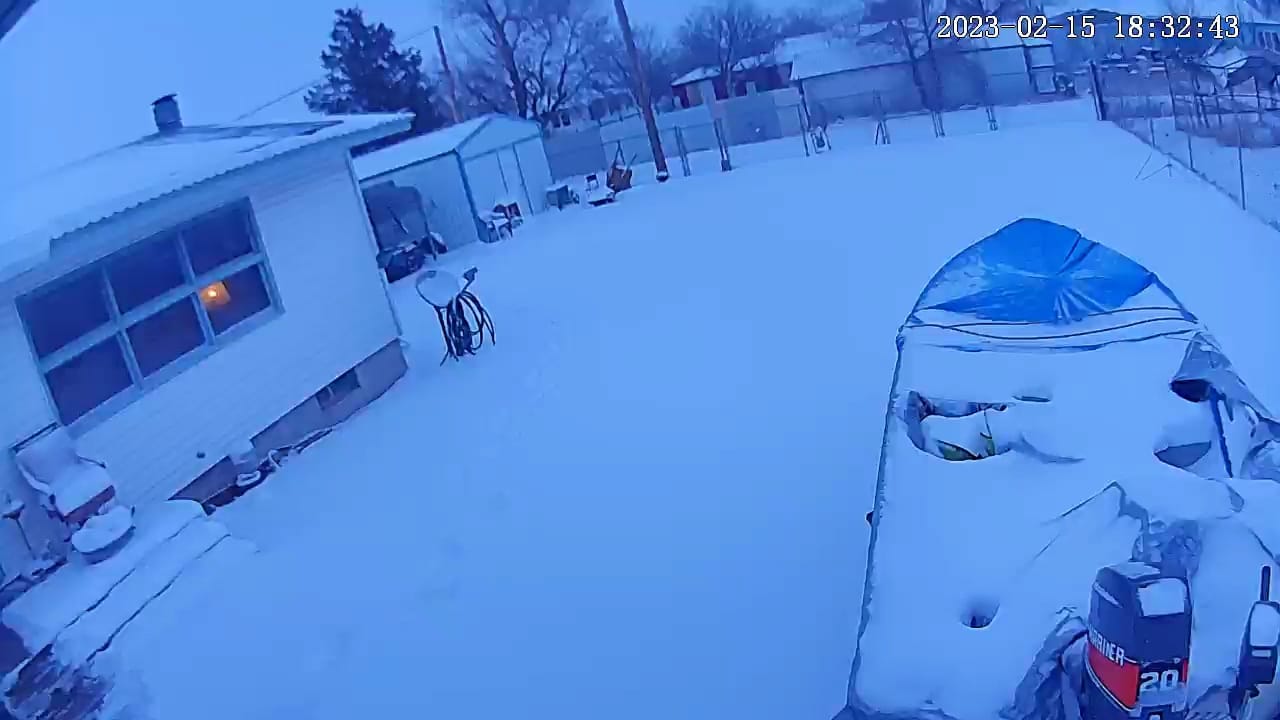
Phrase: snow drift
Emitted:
{"points": [[1054, 409]]}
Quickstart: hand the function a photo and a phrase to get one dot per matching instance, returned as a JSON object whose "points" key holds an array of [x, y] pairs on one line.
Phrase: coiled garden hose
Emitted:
{"points": [[463, 319]]}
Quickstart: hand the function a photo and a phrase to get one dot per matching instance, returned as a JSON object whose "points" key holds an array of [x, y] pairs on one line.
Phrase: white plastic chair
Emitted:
{"points": [[71, 486]]}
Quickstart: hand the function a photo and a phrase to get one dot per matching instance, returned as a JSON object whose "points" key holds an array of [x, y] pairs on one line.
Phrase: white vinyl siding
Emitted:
{"points": [[537, 172], [495, 177], [335, 313]]}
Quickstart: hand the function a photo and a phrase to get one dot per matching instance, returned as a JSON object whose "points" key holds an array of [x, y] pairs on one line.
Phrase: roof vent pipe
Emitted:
{"points": [[168, 118]]}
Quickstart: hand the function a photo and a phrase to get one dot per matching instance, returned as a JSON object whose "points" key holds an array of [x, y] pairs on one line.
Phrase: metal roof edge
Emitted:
{"points": [[34, 238], [487, 120]]}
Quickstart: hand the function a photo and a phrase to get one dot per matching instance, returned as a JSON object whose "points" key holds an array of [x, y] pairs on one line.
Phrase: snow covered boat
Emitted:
{"points": [[1055, 409]]}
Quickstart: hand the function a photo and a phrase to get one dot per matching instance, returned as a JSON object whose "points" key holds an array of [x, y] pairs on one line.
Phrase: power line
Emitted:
{"points": [[310, 83]]}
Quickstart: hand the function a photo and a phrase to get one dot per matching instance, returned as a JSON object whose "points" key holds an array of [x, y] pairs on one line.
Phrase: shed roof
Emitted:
{"points": [[431, 145], [37, 212]]}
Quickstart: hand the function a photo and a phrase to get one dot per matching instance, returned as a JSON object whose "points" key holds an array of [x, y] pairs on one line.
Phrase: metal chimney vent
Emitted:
{"points": [[168, 118]]}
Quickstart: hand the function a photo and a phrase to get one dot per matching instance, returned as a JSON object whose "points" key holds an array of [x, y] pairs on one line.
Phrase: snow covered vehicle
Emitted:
{"points": [[1056, 410]]}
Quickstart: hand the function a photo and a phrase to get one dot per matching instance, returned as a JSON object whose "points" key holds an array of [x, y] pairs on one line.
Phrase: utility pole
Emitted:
{"points": [[450, 88], [639, 76]]}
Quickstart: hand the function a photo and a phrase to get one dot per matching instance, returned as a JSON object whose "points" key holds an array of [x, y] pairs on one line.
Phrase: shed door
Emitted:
{"points": [[496, 177]]}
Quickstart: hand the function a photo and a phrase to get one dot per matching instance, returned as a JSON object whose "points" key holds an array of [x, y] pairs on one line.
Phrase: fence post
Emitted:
{"points": [[1239, 148], [684, 153], [1099, 105], [882, 128], [1169, 67], [804, 131], [726, 164]]}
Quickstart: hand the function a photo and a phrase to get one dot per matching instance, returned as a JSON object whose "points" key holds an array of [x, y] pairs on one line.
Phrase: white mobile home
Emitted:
{"points": [[462, 171], [177, 297]]}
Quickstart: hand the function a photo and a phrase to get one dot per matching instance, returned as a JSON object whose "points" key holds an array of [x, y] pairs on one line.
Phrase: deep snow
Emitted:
{"points": [[647, 500]]}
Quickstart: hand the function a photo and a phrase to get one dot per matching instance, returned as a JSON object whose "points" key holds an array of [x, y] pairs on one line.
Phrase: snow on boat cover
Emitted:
{"points": [[1055, 409]]}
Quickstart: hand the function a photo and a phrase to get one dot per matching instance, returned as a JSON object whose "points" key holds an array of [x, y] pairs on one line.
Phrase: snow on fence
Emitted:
{"points": [[1227, 131], [781, 123]]}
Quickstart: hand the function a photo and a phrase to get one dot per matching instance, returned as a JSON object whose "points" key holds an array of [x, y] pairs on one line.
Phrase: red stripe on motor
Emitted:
{"points": [[1120, 680]]}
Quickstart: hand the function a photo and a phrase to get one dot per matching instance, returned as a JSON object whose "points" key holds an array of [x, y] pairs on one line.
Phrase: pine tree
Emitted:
{"points": [[366, 73]]}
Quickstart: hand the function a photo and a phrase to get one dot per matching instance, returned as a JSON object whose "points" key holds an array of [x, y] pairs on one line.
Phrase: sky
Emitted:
{"points": [[78, 76]]}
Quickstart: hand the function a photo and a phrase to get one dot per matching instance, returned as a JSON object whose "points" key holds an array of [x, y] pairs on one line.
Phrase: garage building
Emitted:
{"points": [[464, 170]]}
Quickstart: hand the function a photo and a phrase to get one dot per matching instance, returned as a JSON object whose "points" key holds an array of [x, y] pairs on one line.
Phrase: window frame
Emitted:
{"points": [[118, 324]]}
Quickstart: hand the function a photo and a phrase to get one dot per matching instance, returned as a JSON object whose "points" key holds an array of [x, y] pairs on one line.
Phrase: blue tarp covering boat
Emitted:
{"points": [[1055, 409]]}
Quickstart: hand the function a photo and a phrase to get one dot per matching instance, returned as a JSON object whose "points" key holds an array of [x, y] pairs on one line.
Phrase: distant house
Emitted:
{"points": [[1258, 28], [703, 85], [601, 107], [175, 298], [464, 170], [845, 74]]}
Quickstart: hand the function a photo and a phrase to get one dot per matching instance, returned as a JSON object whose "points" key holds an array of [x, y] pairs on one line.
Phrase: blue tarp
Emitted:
{"points": [[1035, 271]]}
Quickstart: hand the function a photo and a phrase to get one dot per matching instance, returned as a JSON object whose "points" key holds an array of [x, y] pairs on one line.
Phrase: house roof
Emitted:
{"points": [[37, 212], [432, 145]]}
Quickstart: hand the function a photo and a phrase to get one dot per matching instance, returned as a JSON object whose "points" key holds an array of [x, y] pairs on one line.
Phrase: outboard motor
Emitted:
{"points": [[1139, 645], [1258, 651]]}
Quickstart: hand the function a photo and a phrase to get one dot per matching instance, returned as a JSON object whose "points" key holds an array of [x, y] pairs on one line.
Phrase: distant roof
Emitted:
{"points": [[1246, 11], [432, 145], [818, 54], [35, 213]]}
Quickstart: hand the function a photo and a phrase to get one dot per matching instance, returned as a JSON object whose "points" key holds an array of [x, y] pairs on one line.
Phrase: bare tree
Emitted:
{"points": [[723, 35], [799, 21], [613, 70], [500, 26], [538, 50], [557, 53], [482, 89], [906, 27]]}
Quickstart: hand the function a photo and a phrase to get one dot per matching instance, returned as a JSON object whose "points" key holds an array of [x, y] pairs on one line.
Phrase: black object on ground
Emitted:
{"points": [[463, 320]]}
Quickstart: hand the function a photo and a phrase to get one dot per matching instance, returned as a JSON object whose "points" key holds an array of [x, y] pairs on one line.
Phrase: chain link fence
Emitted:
{"points": [[783, 124], [1223, 124]]}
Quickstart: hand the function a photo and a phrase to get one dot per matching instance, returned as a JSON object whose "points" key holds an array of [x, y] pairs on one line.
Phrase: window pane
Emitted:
{"points": [[72, 309], [166, 336], [145, 273], [89, 379], [217, 238], [235, 298]]}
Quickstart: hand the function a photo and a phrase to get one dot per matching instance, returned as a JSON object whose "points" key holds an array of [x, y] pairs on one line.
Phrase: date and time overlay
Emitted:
{"points": [[1119, 27]]}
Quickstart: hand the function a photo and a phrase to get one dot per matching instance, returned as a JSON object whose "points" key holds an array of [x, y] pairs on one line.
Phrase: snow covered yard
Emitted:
{"points": [[647, 500]]}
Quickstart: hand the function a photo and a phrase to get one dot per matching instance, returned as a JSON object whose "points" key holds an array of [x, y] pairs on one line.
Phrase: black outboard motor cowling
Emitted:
{"points": [[1139, 645]]}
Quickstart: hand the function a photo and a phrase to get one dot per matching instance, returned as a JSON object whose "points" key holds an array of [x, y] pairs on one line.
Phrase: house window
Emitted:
{"points": [[338, 390], [119, 327]]}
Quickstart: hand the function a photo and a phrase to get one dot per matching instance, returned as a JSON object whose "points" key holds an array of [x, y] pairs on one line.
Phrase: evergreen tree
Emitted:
{"points": [[366, 73]]}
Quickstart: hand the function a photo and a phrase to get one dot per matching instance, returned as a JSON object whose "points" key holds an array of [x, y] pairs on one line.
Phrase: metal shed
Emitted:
{"points": [[462, 171]]}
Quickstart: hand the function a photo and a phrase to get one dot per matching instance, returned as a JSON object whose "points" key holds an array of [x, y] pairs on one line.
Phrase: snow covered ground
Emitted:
{"points": [[647, 500]]}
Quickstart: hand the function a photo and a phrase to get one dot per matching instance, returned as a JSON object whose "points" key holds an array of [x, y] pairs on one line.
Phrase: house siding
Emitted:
{"points": [[334, 315]]}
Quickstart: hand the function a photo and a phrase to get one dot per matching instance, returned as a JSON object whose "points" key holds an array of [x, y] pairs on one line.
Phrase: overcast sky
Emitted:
{"points": [[77, 76]]}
